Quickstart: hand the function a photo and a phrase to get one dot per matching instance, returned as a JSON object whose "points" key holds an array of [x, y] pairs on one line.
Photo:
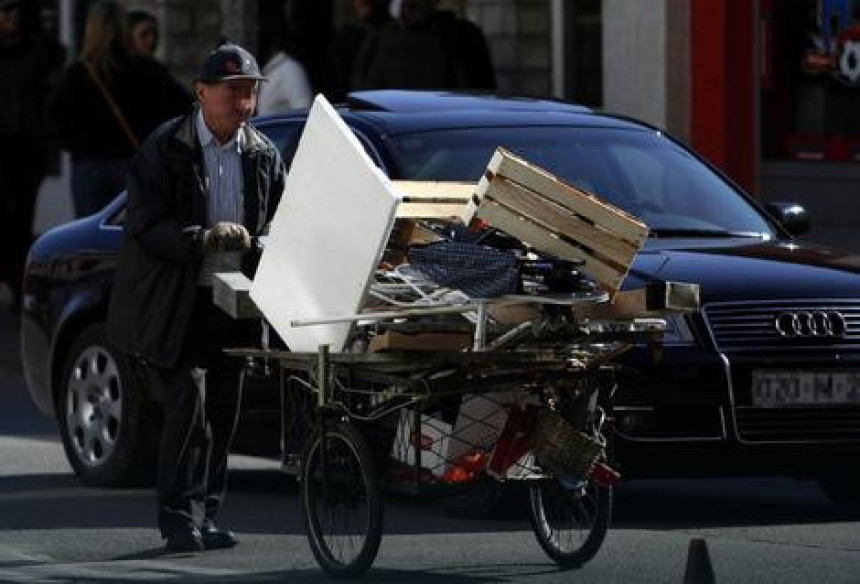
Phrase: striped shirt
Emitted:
{"points": [[223, 175]]}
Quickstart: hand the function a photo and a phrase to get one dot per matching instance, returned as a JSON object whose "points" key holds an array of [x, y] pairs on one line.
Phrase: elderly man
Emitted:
{"points": [[200, 186]]}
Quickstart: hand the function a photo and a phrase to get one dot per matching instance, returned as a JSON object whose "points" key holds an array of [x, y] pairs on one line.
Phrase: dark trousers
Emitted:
{"points": [[21, 172], [200, 399]]}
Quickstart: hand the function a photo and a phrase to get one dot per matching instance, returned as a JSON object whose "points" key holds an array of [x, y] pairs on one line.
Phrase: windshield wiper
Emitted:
{"points": [[663, 232]]}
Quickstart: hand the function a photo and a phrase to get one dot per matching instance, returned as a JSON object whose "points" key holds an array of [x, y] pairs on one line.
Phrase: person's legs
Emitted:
{"points": [[20, 177], [222, 413], [212, 330], [185, 447]]}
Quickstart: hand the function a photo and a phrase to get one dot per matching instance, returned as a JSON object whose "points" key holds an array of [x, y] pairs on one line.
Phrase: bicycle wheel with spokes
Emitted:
{"points": [[341, 502], [570, 524]]}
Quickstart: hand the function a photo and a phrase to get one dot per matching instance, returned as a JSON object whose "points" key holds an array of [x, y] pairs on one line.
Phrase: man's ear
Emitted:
{"points": [[199, 88]]}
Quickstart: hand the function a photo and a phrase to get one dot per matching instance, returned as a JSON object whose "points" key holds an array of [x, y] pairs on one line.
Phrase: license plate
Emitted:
{"points": [[780, 388]]}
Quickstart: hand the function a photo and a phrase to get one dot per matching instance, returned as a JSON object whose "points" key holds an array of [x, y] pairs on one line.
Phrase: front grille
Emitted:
{"points": [[798, 424], [750, 326]]}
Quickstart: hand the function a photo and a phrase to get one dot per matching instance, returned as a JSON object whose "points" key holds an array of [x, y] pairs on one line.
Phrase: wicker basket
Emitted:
{"points": [[562, 449]]}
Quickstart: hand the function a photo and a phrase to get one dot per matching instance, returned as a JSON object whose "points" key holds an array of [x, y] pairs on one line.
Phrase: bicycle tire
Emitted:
{"points": [[343, 549], [569, 525]]}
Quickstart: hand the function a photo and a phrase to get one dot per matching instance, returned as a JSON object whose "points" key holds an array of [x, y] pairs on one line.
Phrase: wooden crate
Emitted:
{"points": [[432, 200], [558, 219]]}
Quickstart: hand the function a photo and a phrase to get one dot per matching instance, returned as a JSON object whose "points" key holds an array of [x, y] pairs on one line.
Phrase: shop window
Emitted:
{"points": [[810, 80]]}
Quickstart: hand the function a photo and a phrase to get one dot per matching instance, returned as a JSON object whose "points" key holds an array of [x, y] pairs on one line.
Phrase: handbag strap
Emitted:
{"points": [[123, 123]]}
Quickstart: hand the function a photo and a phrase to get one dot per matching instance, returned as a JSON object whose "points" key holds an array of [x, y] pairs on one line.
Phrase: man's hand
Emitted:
{"points": [[227, 236]]}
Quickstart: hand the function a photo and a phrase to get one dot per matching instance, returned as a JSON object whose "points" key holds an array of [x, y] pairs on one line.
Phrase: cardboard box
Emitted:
{"points": [[514, 313], [392, 340], [492, 425], [434, 442], [479, 424]]}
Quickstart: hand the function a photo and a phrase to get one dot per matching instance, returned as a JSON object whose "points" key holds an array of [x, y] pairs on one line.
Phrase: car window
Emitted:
{"points": [[285, 136], [116, 219], [640, 171]]}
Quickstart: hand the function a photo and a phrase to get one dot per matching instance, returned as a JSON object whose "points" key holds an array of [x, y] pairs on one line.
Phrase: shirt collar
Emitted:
{"points": [[207, 138]]}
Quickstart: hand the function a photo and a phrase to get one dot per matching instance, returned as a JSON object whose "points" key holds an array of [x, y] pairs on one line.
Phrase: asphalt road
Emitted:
{"points": [[53, 529]]}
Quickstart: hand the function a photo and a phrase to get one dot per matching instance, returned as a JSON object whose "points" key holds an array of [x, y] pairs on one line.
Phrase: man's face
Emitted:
{"points": [[227, 105]]}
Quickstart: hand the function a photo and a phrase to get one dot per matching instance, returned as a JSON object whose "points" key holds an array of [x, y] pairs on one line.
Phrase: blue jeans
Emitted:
{"points": [[95, 183]]}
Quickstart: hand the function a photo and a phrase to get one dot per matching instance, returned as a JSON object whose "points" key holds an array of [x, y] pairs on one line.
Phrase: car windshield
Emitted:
{"points": [[642, 172]]}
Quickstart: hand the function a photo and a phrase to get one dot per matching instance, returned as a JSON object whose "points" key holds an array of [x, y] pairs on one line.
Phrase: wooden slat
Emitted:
{"points": [[472, 206], [412, 210], [556, 218], [432, 199], [537, 179], [609, 277], [438, 190]]}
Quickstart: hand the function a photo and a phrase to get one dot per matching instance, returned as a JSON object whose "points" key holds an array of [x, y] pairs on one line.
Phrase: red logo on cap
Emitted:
{"points": [[231, 66]]}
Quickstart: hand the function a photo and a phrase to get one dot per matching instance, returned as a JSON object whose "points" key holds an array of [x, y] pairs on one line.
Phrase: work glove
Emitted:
{"points": [[226, 236]]}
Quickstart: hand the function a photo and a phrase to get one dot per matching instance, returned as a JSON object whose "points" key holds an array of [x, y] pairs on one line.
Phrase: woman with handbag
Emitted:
{"points": [[106, 103]]}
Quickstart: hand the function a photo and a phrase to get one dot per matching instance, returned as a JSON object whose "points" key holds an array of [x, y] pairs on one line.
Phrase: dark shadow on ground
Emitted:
{"points": [[266, 502], [489, 574]]}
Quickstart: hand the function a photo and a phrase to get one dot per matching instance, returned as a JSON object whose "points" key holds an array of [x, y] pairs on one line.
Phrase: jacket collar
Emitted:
{"points": [[251, 138]]}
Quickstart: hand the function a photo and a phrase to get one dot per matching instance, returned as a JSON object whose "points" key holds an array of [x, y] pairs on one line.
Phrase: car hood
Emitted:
{"points": [[733, 269]]}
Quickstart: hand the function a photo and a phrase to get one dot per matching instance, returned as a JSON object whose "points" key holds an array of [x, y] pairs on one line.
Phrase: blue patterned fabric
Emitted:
{"points": [[476, 270]]}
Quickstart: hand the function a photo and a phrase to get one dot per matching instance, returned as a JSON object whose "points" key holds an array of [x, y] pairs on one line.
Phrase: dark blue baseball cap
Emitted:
{"points": [[227, 62]]}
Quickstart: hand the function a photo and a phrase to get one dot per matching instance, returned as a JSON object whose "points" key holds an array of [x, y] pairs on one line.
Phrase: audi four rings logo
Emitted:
{"points": [[816, 323]]}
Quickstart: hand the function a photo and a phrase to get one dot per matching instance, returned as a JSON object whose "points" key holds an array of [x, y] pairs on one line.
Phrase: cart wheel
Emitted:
{"points": [[341, 503], [570, 525]]}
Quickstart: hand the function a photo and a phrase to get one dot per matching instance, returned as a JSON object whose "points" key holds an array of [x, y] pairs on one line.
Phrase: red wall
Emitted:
{"points": [[723, 124]]}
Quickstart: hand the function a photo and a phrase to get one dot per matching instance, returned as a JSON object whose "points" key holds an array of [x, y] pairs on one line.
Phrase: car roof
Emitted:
{"points": [[400, 100], [398, 111]]}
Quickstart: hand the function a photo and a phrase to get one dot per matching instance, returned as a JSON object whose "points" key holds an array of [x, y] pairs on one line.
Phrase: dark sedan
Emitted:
{"points": [[764, 379]]}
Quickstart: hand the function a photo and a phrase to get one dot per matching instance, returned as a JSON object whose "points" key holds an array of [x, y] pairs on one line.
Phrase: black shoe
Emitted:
{"points": [[215, 539], [185, 539]]}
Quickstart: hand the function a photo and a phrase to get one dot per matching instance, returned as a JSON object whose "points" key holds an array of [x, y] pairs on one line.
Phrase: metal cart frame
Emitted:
{"points": [[564, 367]]}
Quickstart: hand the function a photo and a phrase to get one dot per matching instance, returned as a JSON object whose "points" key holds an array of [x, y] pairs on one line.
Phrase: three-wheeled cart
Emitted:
{"points": [[405, 371], [530, 403]]}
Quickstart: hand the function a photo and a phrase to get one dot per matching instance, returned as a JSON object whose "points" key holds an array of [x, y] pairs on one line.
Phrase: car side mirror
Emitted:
{"points": [[791, 216]]}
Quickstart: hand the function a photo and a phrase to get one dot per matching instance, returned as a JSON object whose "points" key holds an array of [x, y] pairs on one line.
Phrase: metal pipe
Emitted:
{"points": [[390, 314]]}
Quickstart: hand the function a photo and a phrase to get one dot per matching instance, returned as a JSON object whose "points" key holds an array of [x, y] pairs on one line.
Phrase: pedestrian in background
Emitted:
{"points": [[199, 187], [355, 47], [287, 87], [143, 33], [430, 49], [105, 103], [29, 62]]}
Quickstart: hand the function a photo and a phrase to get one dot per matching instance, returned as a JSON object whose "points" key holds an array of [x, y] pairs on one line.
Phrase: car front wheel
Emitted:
{"points": [[104, 419]]}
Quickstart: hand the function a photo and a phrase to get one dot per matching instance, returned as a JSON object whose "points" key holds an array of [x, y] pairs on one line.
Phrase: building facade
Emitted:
{"points": [[765, 89]]}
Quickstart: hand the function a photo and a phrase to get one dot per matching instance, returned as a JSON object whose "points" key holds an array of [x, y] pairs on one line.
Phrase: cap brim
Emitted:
{"points": [[235, 77]]}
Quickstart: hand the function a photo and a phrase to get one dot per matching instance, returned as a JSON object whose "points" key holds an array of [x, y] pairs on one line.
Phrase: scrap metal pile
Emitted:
{"points": [[505, 294]]}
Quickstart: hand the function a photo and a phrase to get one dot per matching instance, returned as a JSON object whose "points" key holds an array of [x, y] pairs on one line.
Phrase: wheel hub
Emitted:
{"points": [[94, 406]]}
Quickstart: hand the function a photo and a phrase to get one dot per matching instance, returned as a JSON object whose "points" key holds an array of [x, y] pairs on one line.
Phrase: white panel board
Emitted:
{"points": [[327, 236]]}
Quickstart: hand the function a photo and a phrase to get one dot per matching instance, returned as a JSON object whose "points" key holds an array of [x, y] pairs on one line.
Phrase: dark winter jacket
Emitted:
{"points": [[162, 251], [143, 89], [26, 70], [441, 52]]}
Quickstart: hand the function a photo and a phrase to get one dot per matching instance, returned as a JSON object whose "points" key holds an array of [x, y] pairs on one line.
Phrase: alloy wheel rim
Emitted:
{"points": [[94, 406]]}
